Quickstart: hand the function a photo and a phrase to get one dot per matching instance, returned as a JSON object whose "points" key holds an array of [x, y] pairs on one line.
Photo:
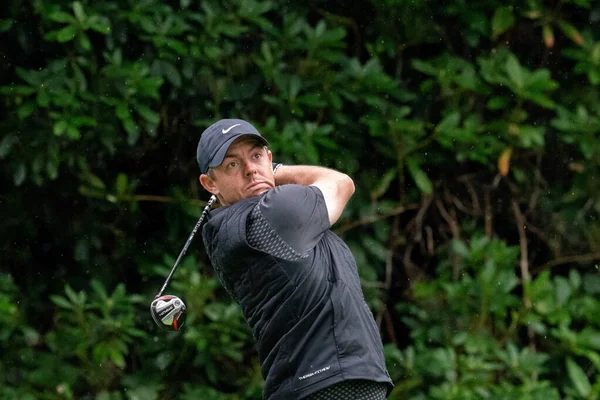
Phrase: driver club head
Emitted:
{"points": [[168, 312]]}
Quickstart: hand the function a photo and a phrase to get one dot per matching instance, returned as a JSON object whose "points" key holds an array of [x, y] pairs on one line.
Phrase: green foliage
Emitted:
{"points": [[482, 319], [470, 130]]}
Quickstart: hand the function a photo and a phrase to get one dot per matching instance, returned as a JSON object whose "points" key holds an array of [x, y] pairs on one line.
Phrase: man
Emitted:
{"points": [[295, 280]]}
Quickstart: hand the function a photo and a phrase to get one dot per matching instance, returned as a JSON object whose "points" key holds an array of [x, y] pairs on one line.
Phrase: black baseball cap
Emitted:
{"points": [[217, 138]]}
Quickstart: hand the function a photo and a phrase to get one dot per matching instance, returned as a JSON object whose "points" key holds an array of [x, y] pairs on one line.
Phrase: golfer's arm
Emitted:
{"points": [[337, 188]]}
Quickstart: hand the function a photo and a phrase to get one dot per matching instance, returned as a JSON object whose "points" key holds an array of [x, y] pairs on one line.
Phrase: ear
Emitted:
{"points": [[209, 184], [270, 156]]}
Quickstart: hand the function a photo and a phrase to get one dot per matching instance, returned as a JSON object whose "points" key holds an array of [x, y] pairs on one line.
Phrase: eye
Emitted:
{"points": [[232, 164], [257, 155]]}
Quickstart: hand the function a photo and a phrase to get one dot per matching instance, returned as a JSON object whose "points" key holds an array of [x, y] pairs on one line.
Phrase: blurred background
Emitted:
{"points": [[471, 130]]}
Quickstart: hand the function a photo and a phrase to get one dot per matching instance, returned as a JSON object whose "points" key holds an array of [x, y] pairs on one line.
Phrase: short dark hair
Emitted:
{"points": [[211, 174]]}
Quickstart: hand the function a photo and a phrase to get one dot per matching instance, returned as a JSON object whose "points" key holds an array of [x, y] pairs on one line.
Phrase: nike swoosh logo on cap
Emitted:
{"points": [[228, 129]]}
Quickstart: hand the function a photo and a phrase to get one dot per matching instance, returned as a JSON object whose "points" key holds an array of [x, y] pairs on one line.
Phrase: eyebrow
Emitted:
{"points": [[235, 155]]}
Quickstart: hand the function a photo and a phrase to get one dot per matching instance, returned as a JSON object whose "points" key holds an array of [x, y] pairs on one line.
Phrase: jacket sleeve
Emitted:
{"points": [[297, 214]]}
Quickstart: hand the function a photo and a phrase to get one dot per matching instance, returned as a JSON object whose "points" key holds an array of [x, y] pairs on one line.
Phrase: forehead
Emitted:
{"points": [[243, 143]]}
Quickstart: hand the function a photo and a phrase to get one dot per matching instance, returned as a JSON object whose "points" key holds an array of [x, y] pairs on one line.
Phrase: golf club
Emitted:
{"points": [[169, 312]]}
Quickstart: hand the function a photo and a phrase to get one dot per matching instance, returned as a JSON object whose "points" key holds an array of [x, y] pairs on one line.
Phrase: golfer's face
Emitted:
{"points": [[246, 171]]}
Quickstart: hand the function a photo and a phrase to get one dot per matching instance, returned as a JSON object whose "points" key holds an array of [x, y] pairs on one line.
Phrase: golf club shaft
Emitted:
{"points": [[187, 244]]}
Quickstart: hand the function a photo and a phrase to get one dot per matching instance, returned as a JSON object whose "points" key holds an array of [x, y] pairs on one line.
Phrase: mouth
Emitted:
{"points": [[255, 185]]}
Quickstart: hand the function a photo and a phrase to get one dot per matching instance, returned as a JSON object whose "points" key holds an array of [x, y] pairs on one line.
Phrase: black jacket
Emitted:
{"points": [[309, 319]]}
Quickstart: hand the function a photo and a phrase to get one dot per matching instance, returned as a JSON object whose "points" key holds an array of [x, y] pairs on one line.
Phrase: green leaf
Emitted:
{"points": [[420, 177], [123, 112], [384, 183], [84, 42], [214, 311], [72, 295], [563, 290], [93, 181], [424, 67], [459, 247], [29, 76], [99, 289], [595, 55], [591, 284], [104, 395], [312, 100], [375, 248], [172, 74], [17, 90], [498, 102], [26, 110], [99, 24], [178, 46], [79, 13], [79, 78], [20, 174], [32, 336], [335, 100], [233, 31], [5, 25], [540, 81], [117, 358], [121, 184], [213, 52], [531, 136], [152, 393], [589, 337], [66, 34], [147, 113], [578, 377], [502, 20], [83, 121], [514, 70], [60, 127], [52, 169], [6, 145], [571, 32], [61, 302], [594, 76], [132, 130], [43, 98], [73, 132], [63, 17], [540, 99], [449, 122], [90, 192], [295, 85]]}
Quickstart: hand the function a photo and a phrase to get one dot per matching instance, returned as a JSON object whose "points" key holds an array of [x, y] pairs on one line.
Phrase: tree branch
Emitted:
{"points": [[579, 258], [427, 199], [455, 229], [521, 224], [373, 218], [488, 215]]}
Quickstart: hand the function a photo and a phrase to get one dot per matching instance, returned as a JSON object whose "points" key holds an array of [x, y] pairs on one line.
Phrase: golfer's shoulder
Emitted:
{"points": [[292, 195], [286, 201]]}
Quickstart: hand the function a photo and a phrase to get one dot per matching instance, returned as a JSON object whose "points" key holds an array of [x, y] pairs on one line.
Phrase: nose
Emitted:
{"points": [[250, 168]]}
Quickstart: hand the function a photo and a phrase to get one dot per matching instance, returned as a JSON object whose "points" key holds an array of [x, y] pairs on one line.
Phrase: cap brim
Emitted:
{"points": [[220, 154]]}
